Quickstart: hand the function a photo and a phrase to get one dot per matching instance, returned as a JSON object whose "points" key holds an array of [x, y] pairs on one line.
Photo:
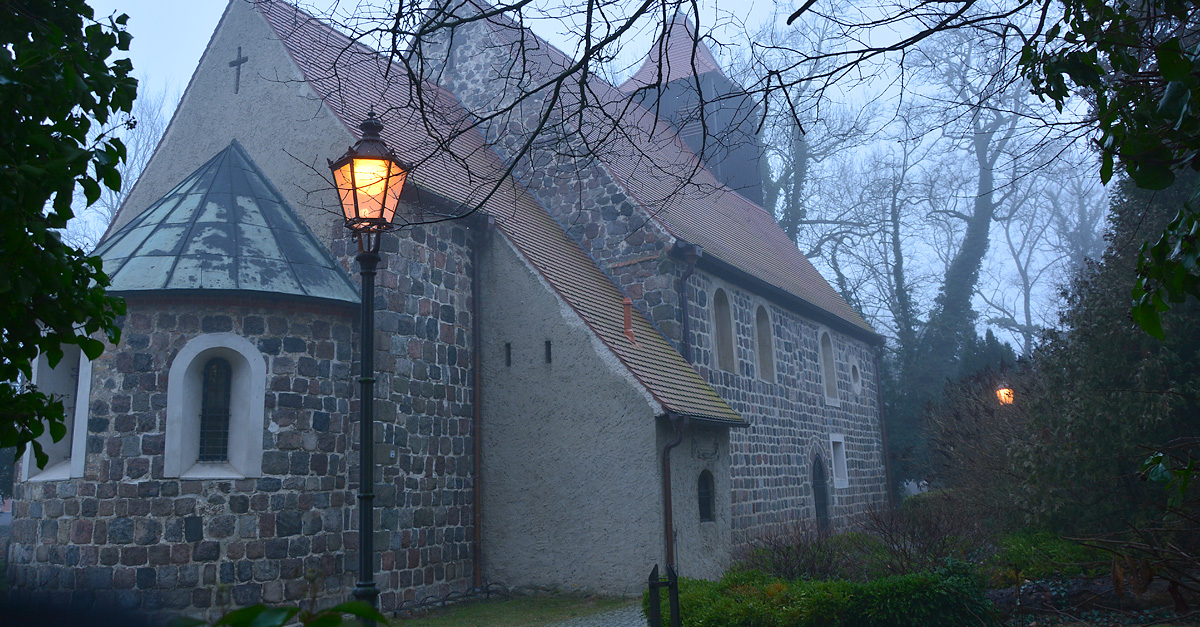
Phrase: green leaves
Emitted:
{"points": [[264, 616], [1146, 113], [57, 84]]}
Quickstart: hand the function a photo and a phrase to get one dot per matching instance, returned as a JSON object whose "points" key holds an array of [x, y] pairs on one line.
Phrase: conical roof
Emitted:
{"points": [[225, 227]]}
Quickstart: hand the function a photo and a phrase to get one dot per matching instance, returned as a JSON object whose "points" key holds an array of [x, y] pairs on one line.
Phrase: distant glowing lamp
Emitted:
{"points": [[1004, 393], [369, 179]]}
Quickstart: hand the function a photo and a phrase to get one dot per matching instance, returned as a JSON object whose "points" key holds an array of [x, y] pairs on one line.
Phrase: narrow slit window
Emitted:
{"points": [[214, 411], [508, 353], [704, 494], [766, 350], [548, 355], [828, 368], [723, 323], [841, 475]]}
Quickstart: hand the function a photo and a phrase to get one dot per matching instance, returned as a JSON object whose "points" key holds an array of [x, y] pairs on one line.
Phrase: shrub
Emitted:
{"points": [[1041, 555], [947, 597], [801, 551]]}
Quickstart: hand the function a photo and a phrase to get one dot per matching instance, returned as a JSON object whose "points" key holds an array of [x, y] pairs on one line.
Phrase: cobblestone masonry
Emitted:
{"points": [[581, 194], [126, 534], [790, 420], [423, 392]]}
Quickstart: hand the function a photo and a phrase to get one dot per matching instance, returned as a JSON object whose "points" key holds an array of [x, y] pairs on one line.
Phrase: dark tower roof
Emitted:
{"points": [[682, 83], [225, 227], [680, 55]]}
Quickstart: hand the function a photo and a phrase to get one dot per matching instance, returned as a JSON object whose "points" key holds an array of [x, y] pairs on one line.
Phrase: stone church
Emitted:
{"points": [[572, 326]]}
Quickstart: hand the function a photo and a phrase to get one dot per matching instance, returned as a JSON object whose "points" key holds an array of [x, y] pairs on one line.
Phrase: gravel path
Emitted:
{"points": [[629, 616]]}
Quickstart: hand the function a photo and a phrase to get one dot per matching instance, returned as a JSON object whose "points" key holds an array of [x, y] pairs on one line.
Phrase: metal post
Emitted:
{"points": [[654, 615], [673, 595], [364, 589]]}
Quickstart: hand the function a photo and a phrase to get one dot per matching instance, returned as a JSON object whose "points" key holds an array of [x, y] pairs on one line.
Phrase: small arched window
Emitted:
{"points": [[704, 494], [766, 350], [723, 323], [214, 411], [828, 370]]}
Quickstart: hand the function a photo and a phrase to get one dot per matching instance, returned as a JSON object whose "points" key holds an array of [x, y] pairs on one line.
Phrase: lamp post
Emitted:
{"points": [[369, 179]]}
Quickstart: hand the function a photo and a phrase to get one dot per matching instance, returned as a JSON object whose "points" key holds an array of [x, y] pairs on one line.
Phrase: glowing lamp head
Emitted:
{"points": [[1004, 393], [369, 179]]}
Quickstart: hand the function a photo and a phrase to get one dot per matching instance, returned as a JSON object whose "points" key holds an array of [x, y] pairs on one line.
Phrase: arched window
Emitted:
{"points": [[214, 411], [828, 369], [766, 347], [216, 399], [723, 323], [704, 494], [820, 490]]}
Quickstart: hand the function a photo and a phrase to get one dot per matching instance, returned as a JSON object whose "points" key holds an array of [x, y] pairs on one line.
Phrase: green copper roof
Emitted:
{"points": [[225, 227]]}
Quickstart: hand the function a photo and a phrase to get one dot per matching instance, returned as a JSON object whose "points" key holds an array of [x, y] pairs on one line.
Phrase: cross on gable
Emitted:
{"points": [[237, 63]]}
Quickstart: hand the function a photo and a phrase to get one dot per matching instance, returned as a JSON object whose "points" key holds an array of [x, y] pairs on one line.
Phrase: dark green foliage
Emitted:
{"points": [[914, 389], [926, 532], [950, 596], [1140, 66], [1110, 395], [55, 86], [264, 616], [1041, 555]]}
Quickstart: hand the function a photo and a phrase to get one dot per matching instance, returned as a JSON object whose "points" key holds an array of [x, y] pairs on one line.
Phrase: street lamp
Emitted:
{"points": [[369, 179]]}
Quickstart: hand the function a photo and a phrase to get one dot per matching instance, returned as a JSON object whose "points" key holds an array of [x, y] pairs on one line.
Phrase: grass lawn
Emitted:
{"points": [[532, 611]]}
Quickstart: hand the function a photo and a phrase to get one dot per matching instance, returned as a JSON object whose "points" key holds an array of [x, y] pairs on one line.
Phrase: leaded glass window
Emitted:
{"points": [[214, 411]]}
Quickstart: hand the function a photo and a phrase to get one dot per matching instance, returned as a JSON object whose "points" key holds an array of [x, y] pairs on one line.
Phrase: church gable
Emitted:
{"points": [[247, 88]]}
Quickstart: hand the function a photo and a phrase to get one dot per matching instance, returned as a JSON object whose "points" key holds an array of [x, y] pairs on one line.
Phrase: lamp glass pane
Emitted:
{"points": [[372, 178], [395, 186], [345, 189]]}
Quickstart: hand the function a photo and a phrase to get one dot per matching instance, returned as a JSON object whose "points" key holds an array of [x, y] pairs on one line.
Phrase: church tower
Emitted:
{"points": [[683, 84]]}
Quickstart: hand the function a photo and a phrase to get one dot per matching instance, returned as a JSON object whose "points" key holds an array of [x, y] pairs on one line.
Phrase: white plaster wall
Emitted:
{"points": [[702, 549], [275, 115], [571, 489]]}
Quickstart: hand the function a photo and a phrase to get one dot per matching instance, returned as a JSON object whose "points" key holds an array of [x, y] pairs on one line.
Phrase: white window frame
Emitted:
{"points": [[71, 464], [247, 411], [837, 461]]}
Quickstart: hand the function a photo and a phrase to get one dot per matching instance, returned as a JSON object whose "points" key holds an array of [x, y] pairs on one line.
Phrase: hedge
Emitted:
{"points": [[949, 597]]}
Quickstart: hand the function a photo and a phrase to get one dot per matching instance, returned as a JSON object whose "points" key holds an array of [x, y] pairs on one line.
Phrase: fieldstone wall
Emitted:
{"points": [[591, 204], [125, 534], [790, 419], [424, 448]]}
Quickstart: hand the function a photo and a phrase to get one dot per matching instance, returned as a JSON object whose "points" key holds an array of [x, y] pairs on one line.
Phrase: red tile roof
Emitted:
{"points": [[351, 78], [665, 176]]}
